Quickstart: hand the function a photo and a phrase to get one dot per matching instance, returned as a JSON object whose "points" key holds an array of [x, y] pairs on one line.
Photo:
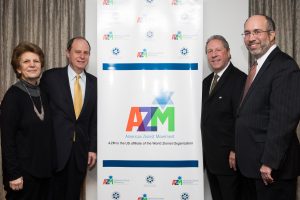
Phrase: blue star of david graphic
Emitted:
{"points": [[163, 99]]}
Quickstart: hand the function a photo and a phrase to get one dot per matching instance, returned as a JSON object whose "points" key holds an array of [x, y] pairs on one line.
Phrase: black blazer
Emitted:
{"points": [[27, 142], [267, 120], [218, 118], [55, 83]]}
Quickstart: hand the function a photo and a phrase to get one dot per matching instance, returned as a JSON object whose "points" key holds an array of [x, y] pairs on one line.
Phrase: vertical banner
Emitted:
{"points": [[150, 86]]}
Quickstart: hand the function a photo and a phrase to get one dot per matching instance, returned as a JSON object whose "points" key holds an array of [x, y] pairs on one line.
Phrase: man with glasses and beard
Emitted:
{"points": [[267, 147]]}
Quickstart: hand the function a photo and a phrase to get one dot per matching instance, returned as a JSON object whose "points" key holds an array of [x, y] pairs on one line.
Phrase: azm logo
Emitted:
{"points": [[108, 181], [177, 181], [151, 117]]}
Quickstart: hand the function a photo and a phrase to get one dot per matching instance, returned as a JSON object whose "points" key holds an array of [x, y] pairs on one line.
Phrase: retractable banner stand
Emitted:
{"points": [[149, 99]]}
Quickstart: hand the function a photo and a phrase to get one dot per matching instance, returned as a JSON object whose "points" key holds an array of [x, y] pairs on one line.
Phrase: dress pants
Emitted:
{"points": [[67, 184], [33, 189], [279, 190], [224, 187]]}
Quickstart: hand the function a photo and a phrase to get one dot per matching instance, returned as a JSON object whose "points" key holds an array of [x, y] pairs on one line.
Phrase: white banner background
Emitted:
{"points": [[142, 32]]}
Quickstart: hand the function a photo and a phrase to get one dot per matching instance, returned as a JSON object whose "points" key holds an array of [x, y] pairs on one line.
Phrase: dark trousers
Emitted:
{"points": [[33, 189], [66, 184], [224, 187], [279, 190]]}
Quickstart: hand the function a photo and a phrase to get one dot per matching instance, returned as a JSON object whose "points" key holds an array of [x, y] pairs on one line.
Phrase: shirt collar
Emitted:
{"points": [[220, 73], [72, 74], [262, 59]]}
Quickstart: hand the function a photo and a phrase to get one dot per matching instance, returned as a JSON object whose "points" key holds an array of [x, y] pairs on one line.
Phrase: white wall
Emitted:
{"points": [[91, 33], [220, 17], [227, 18]]}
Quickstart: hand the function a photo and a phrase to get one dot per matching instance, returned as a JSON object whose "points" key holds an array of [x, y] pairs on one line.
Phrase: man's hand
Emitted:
{"points": [[16, 184], [92, 157], [232, 160], [265, 172]]}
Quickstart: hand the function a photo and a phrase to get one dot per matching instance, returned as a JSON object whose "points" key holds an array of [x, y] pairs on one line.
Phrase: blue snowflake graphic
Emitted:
{"points": [[116, 51], [150, 34], [185, 196], [150, 179], [184, 51], [116, 195]]}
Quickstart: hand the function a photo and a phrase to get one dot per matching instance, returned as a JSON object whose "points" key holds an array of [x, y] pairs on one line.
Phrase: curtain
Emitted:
{"points": [[47, 23], [286, 15]]}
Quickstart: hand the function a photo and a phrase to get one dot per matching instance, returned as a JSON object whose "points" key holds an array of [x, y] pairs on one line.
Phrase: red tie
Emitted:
{"points": [[250, 78]]}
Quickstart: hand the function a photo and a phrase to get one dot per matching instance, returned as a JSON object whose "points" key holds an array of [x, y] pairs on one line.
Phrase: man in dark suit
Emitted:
{"points": [[75, 128], [267, 147], [221, 93]]}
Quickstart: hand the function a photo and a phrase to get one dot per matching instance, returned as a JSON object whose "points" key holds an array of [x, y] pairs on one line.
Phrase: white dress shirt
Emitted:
{"points": [[262, 59], [82, 81]]}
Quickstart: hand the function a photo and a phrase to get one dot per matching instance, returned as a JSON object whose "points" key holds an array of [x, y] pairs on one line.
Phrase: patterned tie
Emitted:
{"points": [[77, 97], [250, 78], [214, 83]]}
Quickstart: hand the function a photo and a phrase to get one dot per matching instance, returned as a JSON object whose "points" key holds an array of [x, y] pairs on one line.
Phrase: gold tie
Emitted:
{"points": [[77, 97], [214, 83]]}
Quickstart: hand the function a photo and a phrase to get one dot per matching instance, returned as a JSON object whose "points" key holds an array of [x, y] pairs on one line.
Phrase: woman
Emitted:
{"points": [[26, 136]]}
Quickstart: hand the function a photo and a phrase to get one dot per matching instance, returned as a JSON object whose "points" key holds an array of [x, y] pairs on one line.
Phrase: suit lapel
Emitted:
{"points": [[206, 87], [207, 98], [65, 87], [260, 74], [221, 81], [87, 94]]}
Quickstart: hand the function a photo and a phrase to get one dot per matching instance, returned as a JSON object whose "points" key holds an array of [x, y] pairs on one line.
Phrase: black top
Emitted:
{"points": [[27, 142]]}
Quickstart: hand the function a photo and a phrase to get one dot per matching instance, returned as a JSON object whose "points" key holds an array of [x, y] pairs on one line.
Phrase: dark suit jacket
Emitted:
{"points": [[55, 83], [218, 118], [267, 119]]}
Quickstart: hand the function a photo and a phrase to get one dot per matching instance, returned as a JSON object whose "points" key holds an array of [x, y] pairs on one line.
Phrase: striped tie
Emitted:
{"points": [[214, 83], [250, 78]]}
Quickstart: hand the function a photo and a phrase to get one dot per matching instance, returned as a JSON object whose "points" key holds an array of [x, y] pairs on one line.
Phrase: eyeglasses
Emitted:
{"points": [[256, 32]]}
